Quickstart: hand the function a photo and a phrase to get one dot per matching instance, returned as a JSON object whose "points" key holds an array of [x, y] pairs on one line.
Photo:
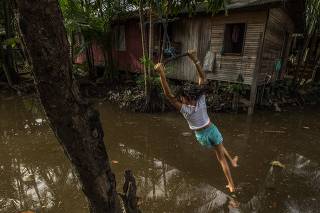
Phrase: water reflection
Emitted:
{"points": [[33, 170], [166, 189], [173, 173]]}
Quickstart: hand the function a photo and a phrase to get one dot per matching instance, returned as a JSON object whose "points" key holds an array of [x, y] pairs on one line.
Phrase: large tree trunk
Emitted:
{"points": [[9, 62], [75, 123]]}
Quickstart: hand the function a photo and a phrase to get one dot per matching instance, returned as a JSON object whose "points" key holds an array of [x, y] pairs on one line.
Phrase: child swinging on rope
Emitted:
{"points": [[191, 103]]}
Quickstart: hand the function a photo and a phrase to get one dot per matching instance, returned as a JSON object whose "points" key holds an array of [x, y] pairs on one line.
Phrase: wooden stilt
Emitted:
{"points": [[254, 84]]}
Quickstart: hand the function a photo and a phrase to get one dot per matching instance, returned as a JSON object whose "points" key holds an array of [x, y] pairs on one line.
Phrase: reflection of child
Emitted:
{"points": [[192, 104]]}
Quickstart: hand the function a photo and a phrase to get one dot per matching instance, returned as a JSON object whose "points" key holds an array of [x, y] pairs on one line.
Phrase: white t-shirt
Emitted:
{"points": [[196, 116]]}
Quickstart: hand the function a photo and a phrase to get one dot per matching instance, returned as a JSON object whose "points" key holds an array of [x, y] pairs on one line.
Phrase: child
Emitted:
{"points": [[192, 104]]}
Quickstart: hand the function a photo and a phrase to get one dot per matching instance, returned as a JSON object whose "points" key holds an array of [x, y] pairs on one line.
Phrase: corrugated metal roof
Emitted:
{"points": [[240, 4], [232, 5], [250, 3]]}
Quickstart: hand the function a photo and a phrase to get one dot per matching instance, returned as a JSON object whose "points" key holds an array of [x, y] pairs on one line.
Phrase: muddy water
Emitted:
{"points": [[174, 174]]}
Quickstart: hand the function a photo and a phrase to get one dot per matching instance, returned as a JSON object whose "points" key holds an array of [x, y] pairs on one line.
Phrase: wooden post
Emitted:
{"points": [[254, 84], [129, 195]]}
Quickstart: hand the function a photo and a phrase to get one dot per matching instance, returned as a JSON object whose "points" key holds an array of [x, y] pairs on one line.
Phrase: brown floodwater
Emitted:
{"points": [[173, 173]]}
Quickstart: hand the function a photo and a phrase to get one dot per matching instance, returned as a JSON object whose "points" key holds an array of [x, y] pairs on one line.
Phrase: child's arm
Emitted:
{"points": [[166, 89], [193, 56]]}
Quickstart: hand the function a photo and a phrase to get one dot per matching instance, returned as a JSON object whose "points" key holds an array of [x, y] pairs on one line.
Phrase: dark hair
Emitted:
{"points": [[191, 91]]}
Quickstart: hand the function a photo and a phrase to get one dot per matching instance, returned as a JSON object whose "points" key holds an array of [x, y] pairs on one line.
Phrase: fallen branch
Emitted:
{"points": [[129, 195], [274, 131]]}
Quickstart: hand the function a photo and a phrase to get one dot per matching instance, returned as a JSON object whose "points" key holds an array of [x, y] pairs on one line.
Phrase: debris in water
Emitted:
{"points": [[186, 134], [274, 131], [39, 120], [26, 126], [115, 161], [278, 164], [276, 107], [306, 127], [28, 178]]}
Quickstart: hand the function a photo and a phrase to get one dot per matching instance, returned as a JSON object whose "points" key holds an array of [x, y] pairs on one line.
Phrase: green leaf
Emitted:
{"points": [[12, 42]]}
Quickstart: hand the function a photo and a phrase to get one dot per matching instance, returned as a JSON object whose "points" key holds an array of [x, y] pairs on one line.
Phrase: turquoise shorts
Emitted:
{"points": [[209, 137]]}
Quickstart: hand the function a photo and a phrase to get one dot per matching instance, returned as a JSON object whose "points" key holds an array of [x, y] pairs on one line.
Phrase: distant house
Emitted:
{"points": [[252, 41]]}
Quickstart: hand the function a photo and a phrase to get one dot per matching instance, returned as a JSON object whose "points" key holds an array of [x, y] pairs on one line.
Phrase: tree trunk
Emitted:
{"points": [[90, 61], [150, 41], [301, 55], [72, 47], [111, 67], [149, 88], [75, 123], [144, 51], [22, 42], [9, 62]]}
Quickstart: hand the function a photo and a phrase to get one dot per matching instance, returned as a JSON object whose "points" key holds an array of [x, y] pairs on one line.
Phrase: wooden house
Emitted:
{"points": [[252, 41], [235, 41], [250, 44]]}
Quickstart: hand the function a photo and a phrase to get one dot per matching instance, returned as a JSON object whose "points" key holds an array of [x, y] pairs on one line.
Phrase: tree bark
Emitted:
{"points": [[301, 55], [150, 40], [9, 62], [144, 52], [75, 123], [148, 94]]}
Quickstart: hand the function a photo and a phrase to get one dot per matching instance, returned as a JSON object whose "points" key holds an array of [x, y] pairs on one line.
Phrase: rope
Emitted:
{"points": [[174, 58], [166, 45]]}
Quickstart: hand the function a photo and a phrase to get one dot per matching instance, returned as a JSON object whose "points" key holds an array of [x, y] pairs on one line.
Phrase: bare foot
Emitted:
{"points": [[234, 161], [230, 187]]}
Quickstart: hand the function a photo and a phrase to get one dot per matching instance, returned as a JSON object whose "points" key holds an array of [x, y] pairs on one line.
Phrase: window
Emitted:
{"points": [[120, 38], [234, 38]]}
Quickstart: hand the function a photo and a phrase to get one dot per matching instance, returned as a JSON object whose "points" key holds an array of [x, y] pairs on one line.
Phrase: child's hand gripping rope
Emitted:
{"points": [[159, 68], [192, 55]]}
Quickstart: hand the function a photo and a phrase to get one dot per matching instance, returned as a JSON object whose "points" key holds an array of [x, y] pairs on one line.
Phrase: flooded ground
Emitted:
{"points": [[174, 174]]}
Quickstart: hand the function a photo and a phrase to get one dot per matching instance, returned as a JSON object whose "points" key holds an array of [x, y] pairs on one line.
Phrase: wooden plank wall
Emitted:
{"points": [[278, 30], [193, 33], [207, 33], [228, 67]]}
